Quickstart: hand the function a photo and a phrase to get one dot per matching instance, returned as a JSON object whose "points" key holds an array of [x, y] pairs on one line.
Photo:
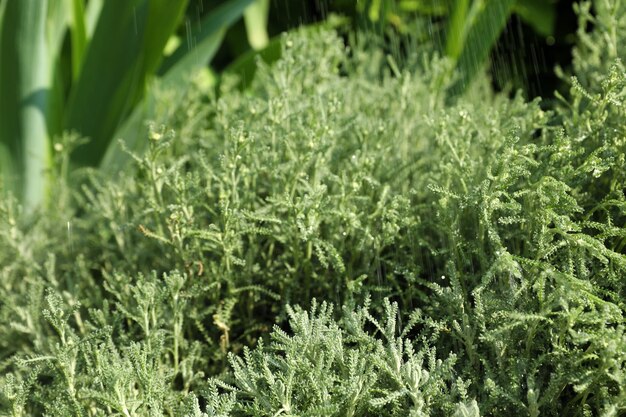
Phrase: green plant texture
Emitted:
{"points": [[339, 239]]}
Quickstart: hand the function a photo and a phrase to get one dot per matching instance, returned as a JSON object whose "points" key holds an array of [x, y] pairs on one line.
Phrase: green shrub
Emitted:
{"points": [[331, 369], [483, 239]]}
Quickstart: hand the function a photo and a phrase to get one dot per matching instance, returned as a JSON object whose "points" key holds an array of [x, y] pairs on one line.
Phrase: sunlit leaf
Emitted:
{"points": [[255, 17], [458, 27], [92, 13]]}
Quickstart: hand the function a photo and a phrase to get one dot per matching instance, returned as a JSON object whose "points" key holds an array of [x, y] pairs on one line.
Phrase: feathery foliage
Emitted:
{"points": [[477, 248]]}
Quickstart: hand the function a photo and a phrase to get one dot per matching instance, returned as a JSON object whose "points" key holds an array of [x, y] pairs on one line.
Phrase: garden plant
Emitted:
{"points": [[353, 234]]}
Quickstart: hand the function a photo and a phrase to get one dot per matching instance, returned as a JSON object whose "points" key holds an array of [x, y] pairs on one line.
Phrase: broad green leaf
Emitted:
{"points": [[255, 18], [457, 28], [109, 78], [92, 13], [3, 6], [486, 19], [175, 71], [162, 22], [127, 45], [79, 36], [6, 167], [57, 19], [24, 89]]}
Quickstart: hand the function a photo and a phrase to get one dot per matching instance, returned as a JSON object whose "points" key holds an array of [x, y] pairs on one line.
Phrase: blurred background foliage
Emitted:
{"points": [[91, 66], [531, 36]]}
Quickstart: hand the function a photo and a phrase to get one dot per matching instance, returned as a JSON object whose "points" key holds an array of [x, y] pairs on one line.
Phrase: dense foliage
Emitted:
{"points": [[466, 253]]}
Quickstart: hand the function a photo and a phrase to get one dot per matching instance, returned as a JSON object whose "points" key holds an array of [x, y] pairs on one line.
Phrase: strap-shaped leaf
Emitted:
{"points": [[213, 24], [485, 21], [79, 36], [24, 89], [174, 72], [457, 28], [125, 49]]}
